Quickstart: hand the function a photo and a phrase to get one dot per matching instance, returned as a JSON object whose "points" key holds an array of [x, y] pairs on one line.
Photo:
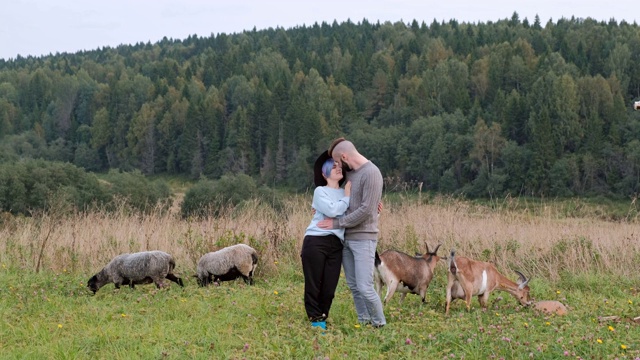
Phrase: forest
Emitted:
{"points": [[489, 109]]}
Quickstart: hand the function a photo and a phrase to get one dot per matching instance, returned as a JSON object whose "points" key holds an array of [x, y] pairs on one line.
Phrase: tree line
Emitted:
{"points": [[483, 109]]}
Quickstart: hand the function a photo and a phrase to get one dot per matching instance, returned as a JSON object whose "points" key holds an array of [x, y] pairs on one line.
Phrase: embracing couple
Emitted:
{"points": [[344, 230]]}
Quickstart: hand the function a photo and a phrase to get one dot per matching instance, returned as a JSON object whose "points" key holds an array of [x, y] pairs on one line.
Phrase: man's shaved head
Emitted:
{"points": [[343, 147]]}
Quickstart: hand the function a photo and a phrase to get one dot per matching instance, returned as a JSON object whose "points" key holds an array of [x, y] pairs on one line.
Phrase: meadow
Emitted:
{"points": [[572, 251]]}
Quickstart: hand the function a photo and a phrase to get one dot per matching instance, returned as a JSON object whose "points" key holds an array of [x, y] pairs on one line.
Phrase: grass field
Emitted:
{"points": [[590, 264]]}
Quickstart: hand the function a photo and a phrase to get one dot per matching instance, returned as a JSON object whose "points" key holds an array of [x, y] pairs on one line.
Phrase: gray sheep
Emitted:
{"points": [[227, 264], [138, 268]]}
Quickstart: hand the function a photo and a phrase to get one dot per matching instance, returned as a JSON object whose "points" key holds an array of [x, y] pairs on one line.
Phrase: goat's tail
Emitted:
{"points": [[452, 262], [377, 261]]}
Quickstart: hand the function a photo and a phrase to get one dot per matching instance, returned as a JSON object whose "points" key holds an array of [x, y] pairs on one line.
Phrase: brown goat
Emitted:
{"points": [[404, 273], [467, 278]]}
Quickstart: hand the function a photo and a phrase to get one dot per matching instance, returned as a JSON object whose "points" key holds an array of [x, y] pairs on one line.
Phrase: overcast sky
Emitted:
{"points": [[40, 27]]}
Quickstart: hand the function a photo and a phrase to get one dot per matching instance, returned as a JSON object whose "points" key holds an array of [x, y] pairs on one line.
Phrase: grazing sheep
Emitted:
{"points": [[138, 268], [227, 264], [403, 273]]}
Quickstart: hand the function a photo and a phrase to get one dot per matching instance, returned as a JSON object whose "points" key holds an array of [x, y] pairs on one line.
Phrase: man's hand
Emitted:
{"points": [[326, 224]]}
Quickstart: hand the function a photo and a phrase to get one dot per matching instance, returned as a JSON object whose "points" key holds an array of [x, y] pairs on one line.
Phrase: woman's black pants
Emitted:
{"points": [[321, 261]]}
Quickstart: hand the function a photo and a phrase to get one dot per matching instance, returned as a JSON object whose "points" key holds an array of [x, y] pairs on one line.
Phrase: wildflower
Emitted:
{"points": [[526, 325], [276, 262], [557, 291], [566, 353], [409, 342], [275, 292], [630, 302], [497, 314], [623, 346], [123, 315], [611, 328], [599, 341], [357, 326], [547, 323], [60, 327]]}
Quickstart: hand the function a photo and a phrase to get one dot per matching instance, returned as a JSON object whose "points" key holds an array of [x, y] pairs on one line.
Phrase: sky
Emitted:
{"points": [[42, 27]]}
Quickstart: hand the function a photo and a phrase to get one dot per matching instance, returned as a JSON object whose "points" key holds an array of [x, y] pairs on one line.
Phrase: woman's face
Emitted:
{"points": [[336, 172]]}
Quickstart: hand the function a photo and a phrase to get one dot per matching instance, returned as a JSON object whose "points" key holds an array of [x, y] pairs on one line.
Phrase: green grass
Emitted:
{"points": [[54, 316]]}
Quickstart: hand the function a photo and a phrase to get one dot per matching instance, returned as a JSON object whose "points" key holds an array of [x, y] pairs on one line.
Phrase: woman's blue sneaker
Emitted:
{"points": [[320, 324]]}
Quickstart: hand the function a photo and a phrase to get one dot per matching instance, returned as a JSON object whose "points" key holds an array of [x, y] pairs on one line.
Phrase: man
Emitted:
{"points": [[361, 233]]}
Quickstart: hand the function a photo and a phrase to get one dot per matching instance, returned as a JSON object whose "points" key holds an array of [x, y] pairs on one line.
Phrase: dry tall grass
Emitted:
{"points": [[539, 245]]}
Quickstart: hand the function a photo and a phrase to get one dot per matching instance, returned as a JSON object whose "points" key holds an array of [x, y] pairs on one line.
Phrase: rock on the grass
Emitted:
{"points": [[550, 307]]}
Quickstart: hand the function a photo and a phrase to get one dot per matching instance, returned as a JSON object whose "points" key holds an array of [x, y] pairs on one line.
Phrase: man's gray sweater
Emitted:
{"points": [[361, 218]]}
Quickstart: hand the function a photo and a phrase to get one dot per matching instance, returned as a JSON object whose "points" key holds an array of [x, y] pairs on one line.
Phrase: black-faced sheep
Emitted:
{"points": [[138, 268], [227, 264]]}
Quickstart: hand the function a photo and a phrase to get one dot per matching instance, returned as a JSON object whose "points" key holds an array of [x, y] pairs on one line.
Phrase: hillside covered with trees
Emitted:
{"points": [[485, 109]]}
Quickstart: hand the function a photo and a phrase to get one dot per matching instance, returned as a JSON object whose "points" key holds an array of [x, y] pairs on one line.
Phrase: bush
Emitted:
{"points": [[31, 185], [209, 197], [198, 200], [140, 193]]}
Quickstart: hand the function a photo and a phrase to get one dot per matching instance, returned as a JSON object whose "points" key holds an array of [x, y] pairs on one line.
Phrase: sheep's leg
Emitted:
{"points": [[126, 281], [117, 281], [159, 283], [203, 280], [175, 279], [251, 275], [248, 279]]}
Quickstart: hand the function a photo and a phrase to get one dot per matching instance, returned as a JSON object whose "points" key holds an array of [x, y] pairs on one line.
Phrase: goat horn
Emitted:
{"points": [[523, 281], [437, 247], [427, 245]]}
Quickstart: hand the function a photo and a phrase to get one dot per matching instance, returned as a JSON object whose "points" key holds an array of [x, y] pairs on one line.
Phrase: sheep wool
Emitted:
{"points": [[227, 264], [138, 268]]}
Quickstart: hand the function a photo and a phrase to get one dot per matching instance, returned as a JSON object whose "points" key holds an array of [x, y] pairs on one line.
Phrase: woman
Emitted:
{"points": [[322, 249]]}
